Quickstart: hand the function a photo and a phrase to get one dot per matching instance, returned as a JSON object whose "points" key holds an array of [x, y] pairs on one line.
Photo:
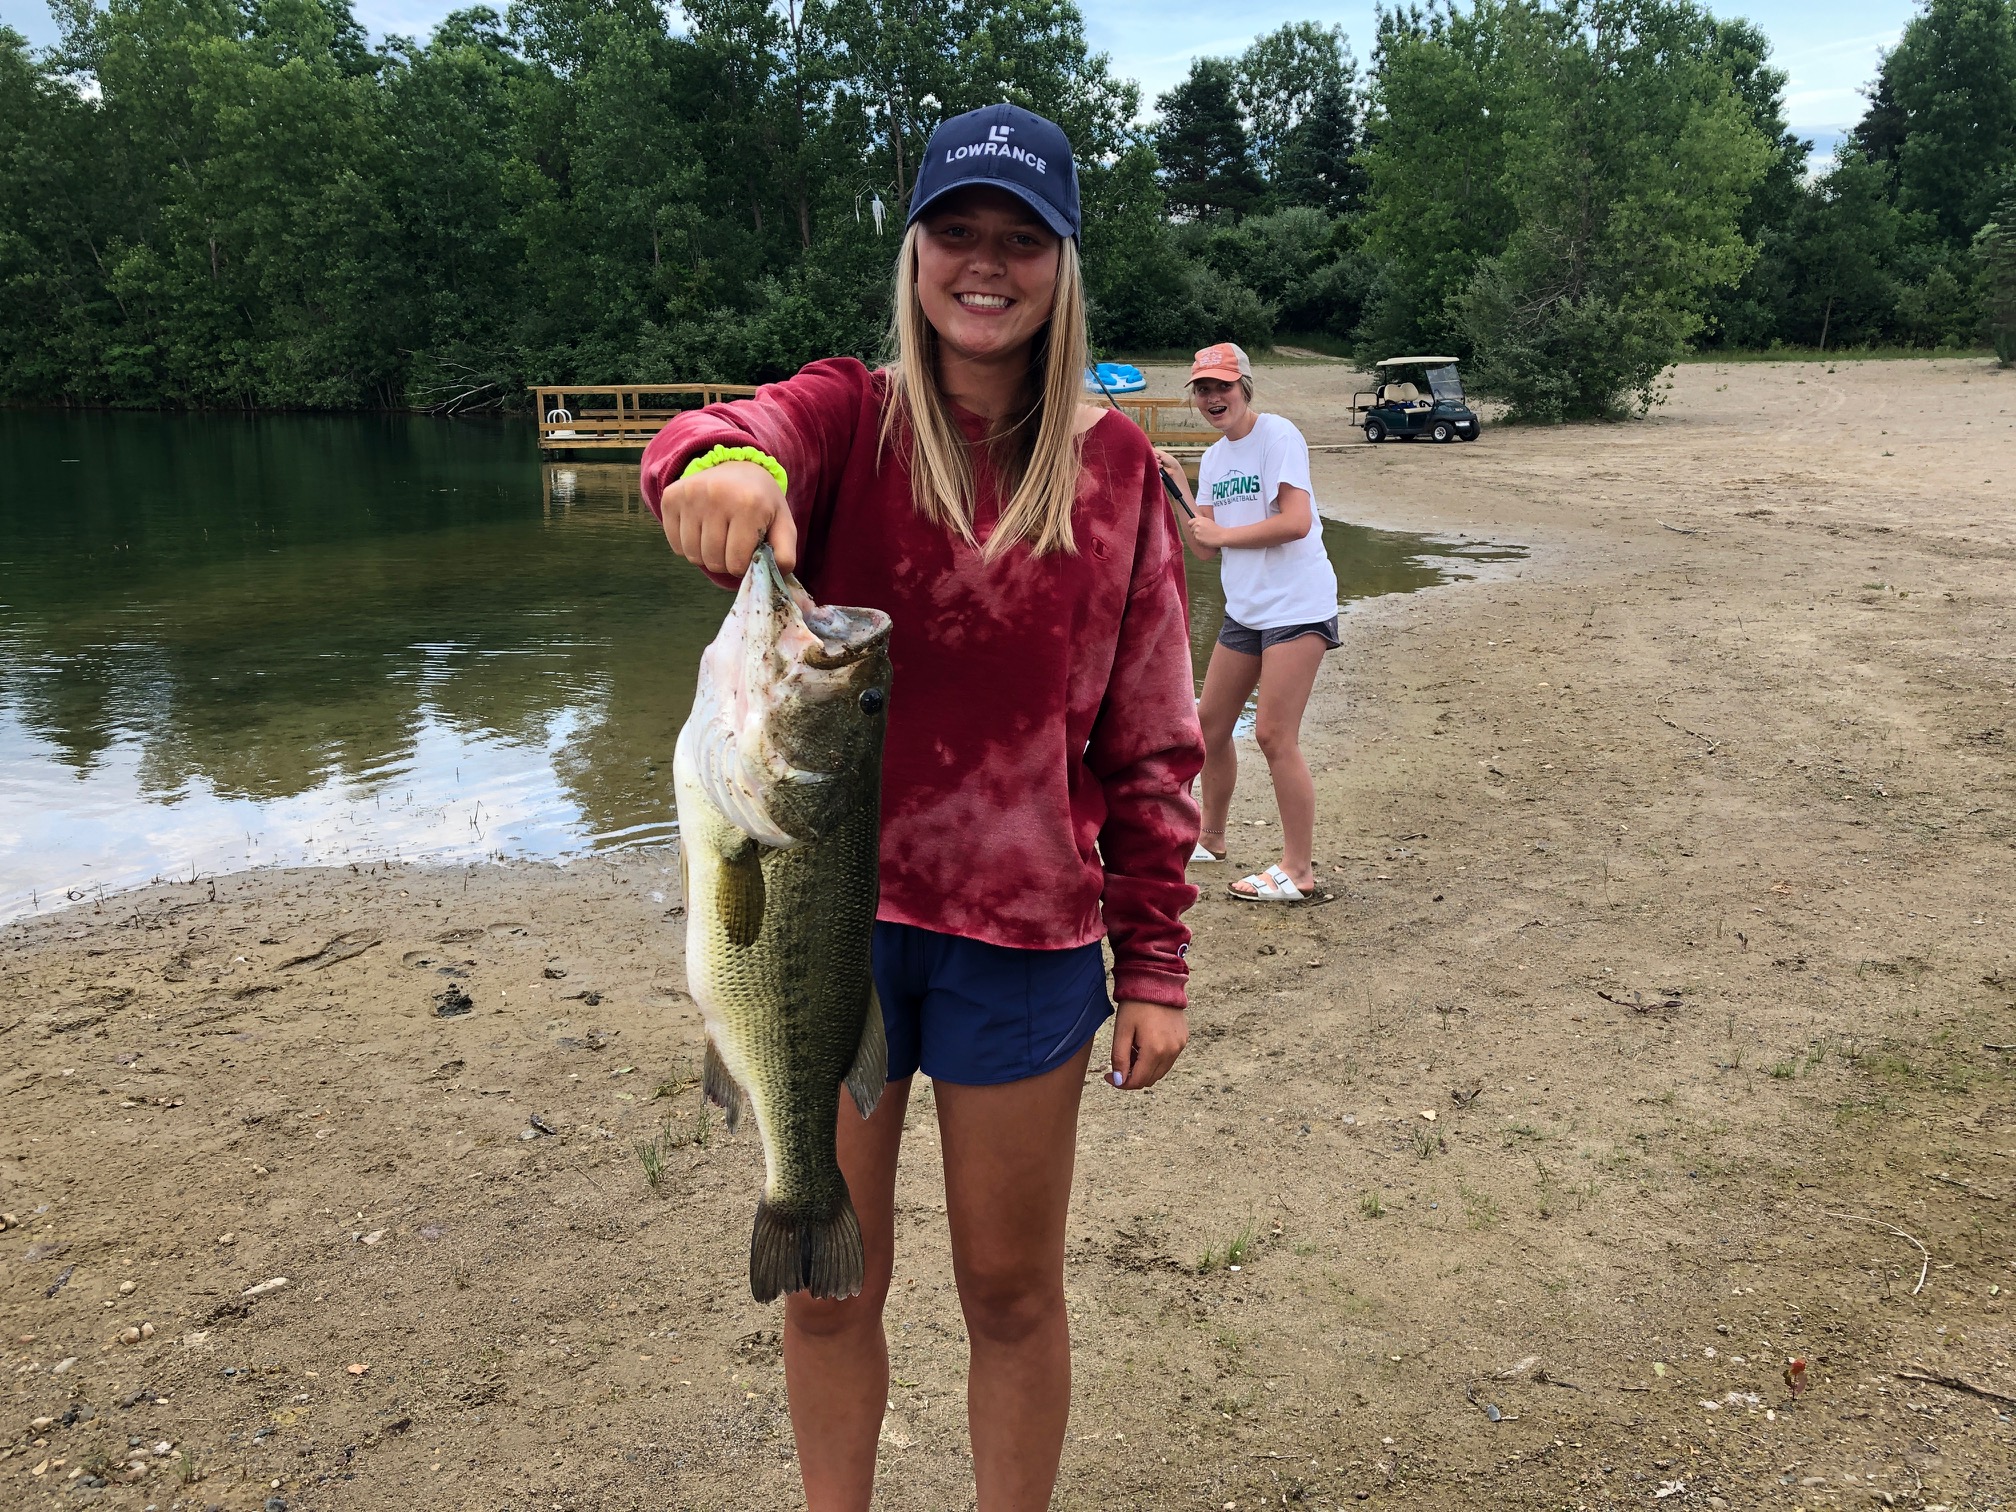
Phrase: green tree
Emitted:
{"points": [[1946, 103], [1749, 313], [1630, 164], [1319, 165], [445, 114], [260, 268], [1297, 261], [1839, 255], [65, 200], [1201, 139], [1137, 280], [1281, 79], [242, 203], [1995, 246], [1436, 199]]}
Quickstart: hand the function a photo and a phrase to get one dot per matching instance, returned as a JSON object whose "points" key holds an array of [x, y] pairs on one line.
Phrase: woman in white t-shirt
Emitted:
{"points": [[1257, 508]]}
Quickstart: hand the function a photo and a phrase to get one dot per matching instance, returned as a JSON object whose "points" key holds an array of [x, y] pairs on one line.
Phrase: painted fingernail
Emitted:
{"points": [[1119, 1080]]}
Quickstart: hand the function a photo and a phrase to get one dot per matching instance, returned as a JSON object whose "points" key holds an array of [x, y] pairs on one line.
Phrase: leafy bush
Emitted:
{"points": [[1227, 310], [1995, 248], [1555, 355], [1616, 157]]}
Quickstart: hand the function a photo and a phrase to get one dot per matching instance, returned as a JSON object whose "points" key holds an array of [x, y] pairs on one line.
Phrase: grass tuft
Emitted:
{"points": [[1478, 1206], [652, 1153], [1234, 1251]]}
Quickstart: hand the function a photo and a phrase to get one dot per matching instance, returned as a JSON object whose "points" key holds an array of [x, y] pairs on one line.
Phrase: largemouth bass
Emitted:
{"points": [[779, 781]]}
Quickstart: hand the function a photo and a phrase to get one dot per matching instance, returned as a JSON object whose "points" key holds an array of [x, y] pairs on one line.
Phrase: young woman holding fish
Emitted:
{"points": [[1041, 739], [1257, 510]]}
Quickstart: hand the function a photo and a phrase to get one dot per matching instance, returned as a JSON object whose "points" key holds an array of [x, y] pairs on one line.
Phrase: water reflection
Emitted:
{"points": [[232, 642]]}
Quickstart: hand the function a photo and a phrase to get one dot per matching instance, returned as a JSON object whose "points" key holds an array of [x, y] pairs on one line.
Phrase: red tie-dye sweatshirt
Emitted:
{"points": [[1042, 728]]}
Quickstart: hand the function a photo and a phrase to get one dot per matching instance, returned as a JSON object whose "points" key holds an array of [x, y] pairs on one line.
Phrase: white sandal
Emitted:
{"points": [[1272, 886]]}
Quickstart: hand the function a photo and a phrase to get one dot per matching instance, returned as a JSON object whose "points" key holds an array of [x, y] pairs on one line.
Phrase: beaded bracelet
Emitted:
{"points": [[722, 454]]}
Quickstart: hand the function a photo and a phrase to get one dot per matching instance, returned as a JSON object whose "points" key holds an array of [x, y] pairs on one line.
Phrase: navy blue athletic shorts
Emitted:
{"points": [[976, 1014], [1234, 636]]}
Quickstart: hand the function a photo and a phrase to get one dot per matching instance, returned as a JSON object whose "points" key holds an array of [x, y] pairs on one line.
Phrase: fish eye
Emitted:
{"points": [[871, 701]]}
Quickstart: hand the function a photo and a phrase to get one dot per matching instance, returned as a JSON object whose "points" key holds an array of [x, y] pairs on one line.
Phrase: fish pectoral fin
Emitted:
{"points": [[722, 1089], [870, 1071], [739, 894]]}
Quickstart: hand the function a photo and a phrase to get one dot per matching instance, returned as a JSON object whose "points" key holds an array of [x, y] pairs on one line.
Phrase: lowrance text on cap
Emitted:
{"points": [[999, 142], [1004, 147]]}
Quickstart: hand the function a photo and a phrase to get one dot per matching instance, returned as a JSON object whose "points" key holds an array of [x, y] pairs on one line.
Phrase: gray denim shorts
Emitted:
{"points": [[1234, 636]]}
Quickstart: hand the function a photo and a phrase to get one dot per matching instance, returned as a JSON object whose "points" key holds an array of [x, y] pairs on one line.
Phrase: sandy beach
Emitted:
{"points": [[1663, 1030]]}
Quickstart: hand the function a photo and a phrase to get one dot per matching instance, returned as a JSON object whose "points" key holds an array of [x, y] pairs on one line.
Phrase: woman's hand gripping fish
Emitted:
{"points": [[779, 781]]}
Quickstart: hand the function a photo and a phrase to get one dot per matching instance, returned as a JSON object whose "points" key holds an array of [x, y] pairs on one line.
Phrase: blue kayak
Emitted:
{"points": [[1115, 378]]}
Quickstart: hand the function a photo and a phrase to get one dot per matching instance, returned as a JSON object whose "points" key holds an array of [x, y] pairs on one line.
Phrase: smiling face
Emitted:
{"points": [[1222, 404], [986, 273]]}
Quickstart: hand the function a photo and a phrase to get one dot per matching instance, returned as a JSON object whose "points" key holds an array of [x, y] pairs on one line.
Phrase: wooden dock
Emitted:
{"points": [[619, 416], [1172, 424], [625, 416]]}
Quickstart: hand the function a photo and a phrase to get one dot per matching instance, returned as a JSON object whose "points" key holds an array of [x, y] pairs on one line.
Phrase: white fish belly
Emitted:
{"points": [[700, 826]]}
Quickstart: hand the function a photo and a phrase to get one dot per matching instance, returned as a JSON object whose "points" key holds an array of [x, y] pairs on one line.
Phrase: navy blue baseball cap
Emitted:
{"points": [[1005, 147]]}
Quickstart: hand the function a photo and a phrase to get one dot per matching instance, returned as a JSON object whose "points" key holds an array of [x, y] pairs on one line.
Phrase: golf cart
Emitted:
{"points": [[1401, 408]]}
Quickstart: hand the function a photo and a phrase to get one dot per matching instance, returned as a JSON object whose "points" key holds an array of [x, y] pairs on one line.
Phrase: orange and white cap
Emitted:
{"points": [[1224, 361]]}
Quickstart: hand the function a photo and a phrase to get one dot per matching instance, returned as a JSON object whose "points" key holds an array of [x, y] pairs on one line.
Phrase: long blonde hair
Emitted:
{"points": [[1036, 453]]}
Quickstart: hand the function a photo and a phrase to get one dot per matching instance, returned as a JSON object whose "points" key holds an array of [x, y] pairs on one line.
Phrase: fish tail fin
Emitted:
{"points": [[721, 1088], [870, 1071], [817, 1255]]}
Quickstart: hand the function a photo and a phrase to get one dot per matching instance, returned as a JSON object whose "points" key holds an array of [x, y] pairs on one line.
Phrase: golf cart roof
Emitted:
{"points": [[1402, 361]]}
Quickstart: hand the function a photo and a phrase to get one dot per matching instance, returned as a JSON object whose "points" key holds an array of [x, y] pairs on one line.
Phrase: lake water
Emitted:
{"points": [[232, 642]]}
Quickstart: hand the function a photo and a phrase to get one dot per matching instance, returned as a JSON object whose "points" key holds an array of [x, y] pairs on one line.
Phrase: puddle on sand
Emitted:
{"points": [[1369, 563], [309, 640]]}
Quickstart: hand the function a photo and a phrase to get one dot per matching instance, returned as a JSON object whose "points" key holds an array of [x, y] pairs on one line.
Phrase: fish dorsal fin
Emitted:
{"points": [[739, 893], [870, 1071], [722, 1089]]}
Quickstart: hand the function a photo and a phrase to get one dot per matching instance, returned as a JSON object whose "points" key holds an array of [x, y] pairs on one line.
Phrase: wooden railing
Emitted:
{"points": [[1172, 424], [606, 416], [602, 416]]}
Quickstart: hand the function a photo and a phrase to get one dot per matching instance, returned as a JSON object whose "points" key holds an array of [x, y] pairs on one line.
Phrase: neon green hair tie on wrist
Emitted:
{"points": [[722, 454]]}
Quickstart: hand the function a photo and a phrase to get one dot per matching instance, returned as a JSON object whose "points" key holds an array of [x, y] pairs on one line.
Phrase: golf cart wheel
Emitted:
{"points": [[1443, 431], [1374, 431]]}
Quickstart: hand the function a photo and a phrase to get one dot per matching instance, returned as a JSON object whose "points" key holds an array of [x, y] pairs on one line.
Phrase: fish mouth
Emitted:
{"points": [[825, 636], [846, 636]]}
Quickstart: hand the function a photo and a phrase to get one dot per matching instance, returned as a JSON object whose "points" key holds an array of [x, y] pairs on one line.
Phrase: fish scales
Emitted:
{"points": [[778, 779], [787, 1010]]}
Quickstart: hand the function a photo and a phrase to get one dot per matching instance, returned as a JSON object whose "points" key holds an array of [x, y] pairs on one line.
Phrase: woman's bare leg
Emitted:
{"points": [[1229, 680], [1009, 1153], [836, 1357], [1287, 674]]}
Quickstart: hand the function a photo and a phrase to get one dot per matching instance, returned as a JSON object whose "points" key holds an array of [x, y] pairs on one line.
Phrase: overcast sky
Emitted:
{"points": [[1829, 50]]}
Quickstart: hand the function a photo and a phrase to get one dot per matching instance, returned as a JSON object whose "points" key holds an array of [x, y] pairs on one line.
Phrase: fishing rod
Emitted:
{"points": [[1168, 486]]}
